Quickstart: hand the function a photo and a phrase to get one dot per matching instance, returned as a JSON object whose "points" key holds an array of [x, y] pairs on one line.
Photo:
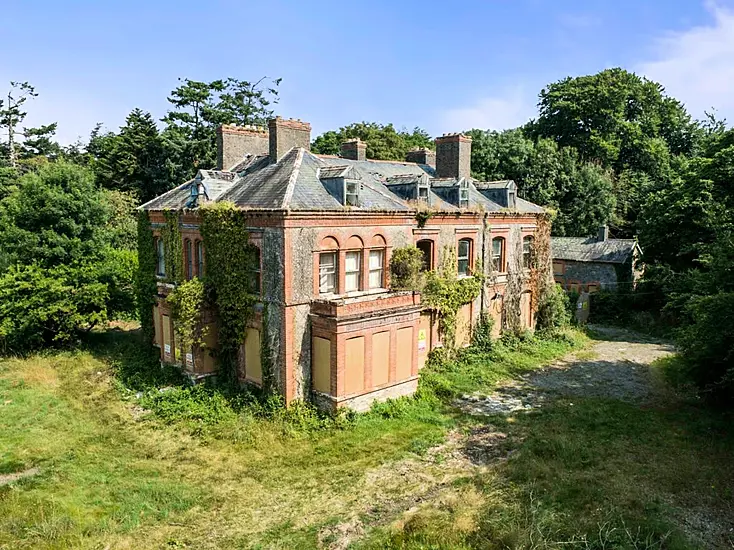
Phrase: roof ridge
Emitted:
{"points": [[292, 179]]}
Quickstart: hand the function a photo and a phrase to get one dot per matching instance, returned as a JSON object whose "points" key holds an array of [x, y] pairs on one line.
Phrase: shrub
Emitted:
{"points": [[553, 309], [707, 343], [406, 264], [42, 307], [482, 333]]}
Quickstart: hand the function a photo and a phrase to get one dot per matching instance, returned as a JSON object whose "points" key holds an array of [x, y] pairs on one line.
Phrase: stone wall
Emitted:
{"points": [[584, 273]]}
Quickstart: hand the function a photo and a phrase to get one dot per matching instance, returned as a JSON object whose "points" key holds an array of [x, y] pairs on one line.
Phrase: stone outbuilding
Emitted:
{"points": [[325, 228], [582, 264]]}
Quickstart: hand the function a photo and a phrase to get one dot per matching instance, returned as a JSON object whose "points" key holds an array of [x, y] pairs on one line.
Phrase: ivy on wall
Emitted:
{"points": [[445, 293], [145, 281], [187, 303], [230, 264], [406, 269], [173, 246], [516, 280]]}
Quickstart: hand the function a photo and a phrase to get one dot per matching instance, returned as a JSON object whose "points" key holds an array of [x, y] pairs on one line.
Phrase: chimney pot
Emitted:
{"points": [[603, 234]]}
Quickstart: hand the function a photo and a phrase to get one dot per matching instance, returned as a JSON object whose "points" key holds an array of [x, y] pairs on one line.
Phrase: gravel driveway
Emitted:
{"points": [[615, 368]]}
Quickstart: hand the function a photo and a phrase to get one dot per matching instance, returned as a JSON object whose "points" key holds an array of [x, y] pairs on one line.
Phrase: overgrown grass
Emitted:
{"points": [[126, 465]]}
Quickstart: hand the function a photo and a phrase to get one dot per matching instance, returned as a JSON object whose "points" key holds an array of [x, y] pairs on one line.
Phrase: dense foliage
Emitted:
{"points": [[64, 275], [224, 230], [383, 140]]}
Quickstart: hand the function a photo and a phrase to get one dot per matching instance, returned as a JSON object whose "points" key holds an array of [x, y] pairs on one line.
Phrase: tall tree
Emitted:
{"points": [[580, 193], [199, 107], [133, 160], [384, 142], [12, 115]]}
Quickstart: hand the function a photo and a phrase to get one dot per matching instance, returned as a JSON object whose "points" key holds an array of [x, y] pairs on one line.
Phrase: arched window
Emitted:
{"points": [[256, 283], [377, 268], [527, 251], [498, 254], [463, 257], [189, 251], [328, 266], [161, 258], [200, 259]]}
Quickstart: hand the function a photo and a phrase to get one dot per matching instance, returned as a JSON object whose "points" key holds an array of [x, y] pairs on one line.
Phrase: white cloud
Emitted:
{"points": [[509, 109], [696, 65]]}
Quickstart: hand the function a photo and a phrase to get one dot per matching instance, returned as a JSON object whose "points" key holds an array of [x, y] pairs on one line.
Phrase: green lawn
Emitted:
{"points": [[183, 469]]}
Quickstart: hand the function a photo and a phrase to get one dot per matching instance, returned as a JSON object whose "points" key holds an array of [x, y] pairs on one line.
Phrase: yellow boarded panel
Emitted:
{"points": [[210, 344], [167, 347], [463, 326], [354, 382], [321, 364], [253, 367], [157, 327], [404, 353], [525, 315], [424, 339], [380, 358]]}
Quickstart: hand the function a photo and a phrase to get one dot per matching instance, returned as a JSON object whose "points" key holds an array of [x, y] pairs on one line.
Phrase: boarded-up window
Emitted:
{"points": [[158, 338], [557, 268], [404, 353], [526, 314], [321, 364], [354, 363], [208, 363], [167, 340], [424, 338], [380, 358], [253, 367], [463, 326]]}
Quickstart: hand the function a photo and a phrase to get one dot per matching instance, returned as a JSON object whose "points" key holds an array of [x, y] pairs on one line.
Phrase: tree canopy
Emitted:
{"points": [[384, 142]]}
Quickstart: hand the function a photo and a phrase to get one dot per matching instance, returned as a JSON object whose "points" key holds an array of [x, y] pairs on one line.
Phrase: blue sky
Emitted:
{"points": [[443, 66]]}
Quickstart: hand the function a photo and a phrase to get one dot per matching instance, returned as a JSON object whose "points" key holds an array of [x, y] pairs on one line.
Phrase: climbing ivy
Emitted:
{"points": [[266, 355], [145, 281], [406, 268], [173, 246], [422, 216], [446, 292], [187, 303], [230, 264]]}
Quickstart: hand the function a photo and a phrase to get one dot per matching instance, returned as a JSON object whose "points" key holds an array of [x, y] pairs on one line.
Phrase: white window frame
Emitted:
{"points": [[354, 201], [498, 259], [352, 274], [460, 258], [377, 272], [328, 271]]}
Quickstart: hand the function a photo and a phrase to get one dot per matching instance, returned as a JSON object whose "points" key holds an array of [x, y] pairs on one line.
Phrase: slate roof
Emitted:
{"points": [[583, 249], [298, 182]]}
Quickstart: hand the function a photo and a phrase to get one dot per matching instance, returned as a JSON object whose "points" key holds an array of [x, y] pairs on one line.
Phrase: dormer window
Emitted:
{"points": [[463, 195], [423, 193], [351, 193]]}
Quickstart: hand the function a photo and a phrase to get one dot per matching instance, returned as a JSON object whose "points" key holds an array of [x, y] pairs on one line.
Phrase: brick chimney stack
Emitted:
{"points": [[286, 134], [453, 156], [421, 155], [234, 142], [354, 149]]}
